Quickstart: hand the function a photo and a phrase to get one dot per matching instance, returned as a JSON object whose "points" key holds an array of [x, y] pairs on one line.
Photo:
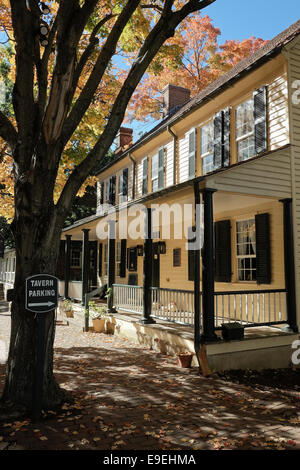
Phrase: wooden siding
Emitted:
{"points": [[183, 158], [278, 120], [293, 56], [269, 175], [169, 162], [139, 178]]}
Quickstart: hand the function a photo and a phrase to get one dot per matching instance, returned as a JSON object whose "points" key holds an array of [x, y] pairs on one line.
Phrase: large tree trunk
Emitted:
{"points": [[37, 237]]}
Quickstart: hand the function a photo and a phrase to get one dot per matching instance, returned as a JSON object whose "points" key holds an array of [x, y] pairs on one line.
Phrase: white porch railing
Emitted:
{"points": [[128, 298], [251, 308], [173, 305], [260, 307]]}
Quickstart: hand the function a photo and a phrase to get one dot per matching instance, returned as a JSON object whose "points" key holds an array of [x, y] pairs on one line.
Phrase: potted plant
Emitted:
{"points": [[68, 308], [184, 359], [98, 315]]}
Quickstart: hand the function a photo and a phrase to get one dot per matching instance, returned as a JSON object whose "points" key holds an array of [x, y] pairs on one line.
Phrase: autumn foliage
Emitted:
{"points": [[192, 59]]}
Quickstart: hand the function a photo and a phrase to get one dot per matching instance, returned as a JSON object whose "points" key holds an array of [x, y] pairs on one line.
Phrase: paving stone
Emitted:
{"points": [[131, 398]]}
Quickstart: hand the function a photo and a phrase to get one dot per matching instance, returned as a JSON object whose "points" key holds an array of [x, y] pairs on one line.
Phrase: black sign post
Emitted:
{"points": [[41, 297]]}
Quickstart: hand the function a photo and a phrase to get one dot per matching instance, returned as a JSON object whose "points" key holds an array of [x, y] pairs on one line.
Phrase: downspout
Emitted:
{"points": [[175, 140], [133, 176], [197, 297]]}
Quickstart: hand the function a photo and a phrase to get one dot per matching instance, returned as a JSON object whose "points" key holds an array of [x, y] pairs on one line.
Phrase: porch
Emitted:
{"points": [[263, 347], [239, 270], [251, 308]]}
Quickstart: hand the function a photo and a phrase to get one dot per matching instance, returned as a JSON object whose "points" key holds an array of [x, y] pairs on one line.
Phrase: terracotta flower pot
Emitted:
{"points": [[69, 313], [99, 325], [185, 359]]}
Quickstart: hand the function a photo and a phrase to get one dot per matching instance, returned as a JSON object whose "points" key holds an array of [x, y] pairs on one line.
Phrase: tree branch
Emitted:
{"points": [[163, 29], [93, 41], [105, 55], [71, 22], [7, 131], [24, 26]]}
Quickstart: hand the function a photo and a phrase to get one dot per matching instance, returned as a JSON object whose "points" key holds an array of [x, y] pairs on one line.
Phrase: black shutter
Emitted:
{"points": [[123, 258], [145, 176], [112, 190], [226, 137], [125, 182], [218, 140], [260, 120], [222, 251], [100, 253], [263, 249], [101, 193], [161, 168], [60, 267], [191, 255]]}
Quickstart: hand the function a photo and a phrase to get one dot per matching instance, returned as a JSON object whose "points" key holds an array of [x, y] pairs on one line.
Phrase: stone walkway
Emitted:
{"points": [[130, 398]]}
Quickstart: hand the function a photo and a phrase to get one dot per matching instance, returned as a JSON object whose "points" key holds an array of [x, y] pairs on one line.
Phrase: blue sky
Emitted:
{"points": [[240, 19]]}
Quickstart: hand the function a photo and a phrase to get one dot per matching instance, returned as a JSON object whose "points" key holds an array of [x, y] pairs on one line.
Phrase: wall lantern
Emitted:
{"points": [[140, 250], [162, 248]]}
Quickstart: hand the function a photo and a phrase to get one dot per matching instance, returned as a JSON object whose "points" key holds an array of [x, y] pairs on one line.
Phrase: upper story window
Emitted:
{"points": [[244, 126], [123, 185], [251, 125], [110, 190], [157, 170], [207, 147]]}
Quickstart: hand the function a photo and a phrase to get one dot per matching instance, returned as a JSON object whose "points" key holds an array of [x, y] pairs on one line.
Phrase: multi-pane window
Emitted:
{"points": [[154, 172], [75, 258], [246, 250], [245, 130], [207, 147], [157, 170]]}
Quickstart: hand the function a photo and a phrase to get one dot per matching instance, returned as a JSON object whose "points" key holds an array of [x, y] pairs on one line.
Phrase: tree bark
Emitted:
{"points": [[36, 230]]}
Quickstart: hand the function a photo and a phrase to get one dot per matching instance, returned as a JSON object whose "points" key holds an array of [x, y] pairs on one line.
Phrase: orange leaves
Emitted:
{"points": [[191, 59]]}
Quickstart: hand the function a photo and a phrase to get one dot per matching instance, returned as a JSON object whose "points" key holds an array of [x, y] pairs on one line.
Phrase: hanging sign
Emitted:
{"points": [[41, 293]]}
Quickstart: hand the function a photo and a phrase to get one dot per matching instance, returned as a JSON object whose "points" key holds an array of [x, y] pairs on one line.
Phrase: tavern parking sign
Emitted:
{"points": [[41, 293]]}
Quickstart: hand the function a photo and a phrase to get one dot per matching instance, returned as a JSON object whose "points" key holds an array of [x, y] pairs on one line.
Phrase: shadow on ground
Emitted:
{"points": [[127, 397]]}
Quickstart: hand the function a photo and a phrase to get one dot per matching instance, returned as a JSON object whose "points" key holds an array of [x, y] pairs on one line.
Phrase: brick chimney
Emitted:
{"points": [[124, 138], [173, 97]]}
